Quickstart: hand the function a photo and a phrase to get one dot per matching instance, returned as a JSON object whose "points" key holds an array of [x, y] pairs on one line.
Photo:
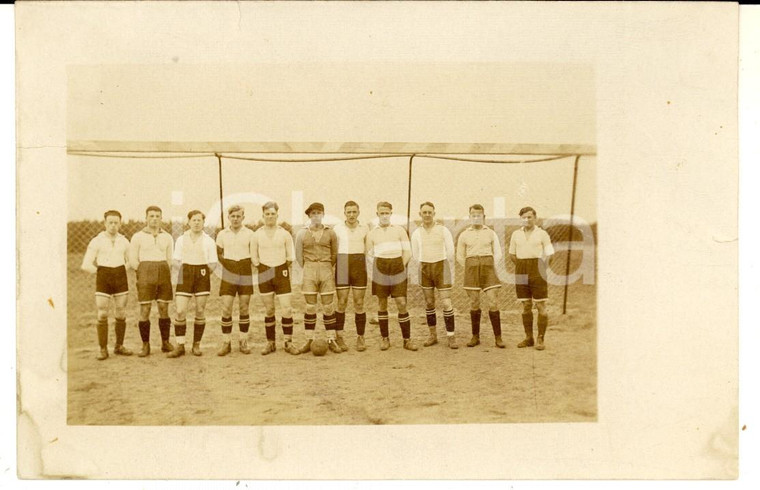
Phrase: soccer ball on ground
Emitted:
{"points": [[319, 347]]}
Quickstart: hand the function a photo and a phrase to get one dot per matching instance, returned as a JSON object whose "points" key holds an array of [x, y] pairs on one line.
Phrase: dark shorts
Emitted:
{"points": [[351, 271], [479, 274], [389, 278], [530, 280], [435, 275], [111, 281], [274, 280], [193, 280], [154, 282], [237, 278]]}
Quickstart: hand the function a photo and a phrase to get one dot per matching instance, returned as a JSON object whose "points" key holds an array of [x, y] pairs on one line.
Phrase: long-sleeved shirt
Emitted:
{"points": [[316, 246], [202, 251], [236, 245], [105, 252], [388, 242], [433, 245], [351, 240], [271, 247], [537, 245], [146, 247], [478, 242]]}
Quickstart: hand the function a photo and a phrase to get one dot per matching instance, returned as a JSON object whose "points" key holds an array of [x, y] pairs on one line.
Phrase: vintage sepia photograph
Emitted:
{"points": [[377, 240], [251, 277]]}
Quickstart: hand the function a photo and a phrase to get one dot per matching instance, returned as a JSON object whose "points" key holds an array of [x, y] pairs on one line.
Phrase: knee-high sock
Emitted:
{"points": [[287, 328], [144, 326], [244, 323], [382, 319], [309, 324], [430, 317], [495, 317], [361, 322], [448, 319], [180, 328], [226, 328], [121, 328], [329, 321], [405, 324], [543, 322], [340, 320], [226, 325], [269, 325], [475, 319], [198, 328], [164, 327], [527, 319], [103, 333]]}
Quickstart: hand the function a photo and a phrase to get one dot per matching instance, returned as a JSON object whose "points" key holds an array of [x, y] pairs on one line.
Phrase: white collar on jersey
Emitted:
{"points": [[472, 227]]}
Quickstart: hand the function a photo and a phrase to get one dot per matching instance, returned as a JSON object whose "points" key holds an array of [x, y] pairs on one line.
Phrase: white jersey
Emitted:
{"points": [[105, 252], [533, 245], [202, 251], [433, 245], [235, 245]]}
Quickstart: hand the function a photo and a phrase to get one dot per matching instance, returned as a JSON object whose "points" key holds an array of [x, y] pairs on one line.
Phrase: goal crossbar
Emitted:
{"points": [[94, 146]]}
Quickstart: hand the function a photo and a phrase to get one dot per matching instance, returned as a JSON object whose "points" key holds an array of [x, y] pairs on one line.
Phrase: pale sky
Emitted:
{"points": [[527, 103], [378, 102]]}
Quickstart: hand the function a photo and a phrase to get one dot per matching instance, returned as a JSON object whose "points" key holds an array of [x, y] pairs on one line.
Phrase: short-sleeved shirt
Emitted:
{"points": [[387, 242], [202, 251], [146, 247], [433, 245], [105, 252], [351, 240], [235, 244], [535, 245], [478, 242], [272, 250]]}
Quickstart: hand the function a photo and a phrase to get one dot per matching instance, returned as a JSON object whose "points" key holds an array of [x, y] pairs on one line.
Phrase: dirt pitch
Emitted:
{"points": [[434, 385]]}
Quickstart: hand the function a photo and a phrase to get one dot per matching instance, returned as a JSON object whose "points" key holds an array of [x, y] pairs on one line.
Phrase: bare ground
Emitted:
{"points": [[431, 386]]}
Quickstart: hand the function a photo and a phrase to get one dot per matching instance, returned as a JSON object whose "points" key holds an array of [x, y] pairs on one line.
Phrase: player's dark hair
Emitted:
{"points": [[194, 212], [350, 203], [527, 209], [477, 207], [234, 208], [270, 204], [153, 208], [112, 212], [384, 204], [427, 203]]}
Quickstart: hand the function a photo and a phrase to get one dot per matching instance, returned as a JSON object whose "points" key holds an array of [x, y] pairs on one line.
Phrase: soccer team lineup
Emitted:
{"points": [[338, 263]]}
